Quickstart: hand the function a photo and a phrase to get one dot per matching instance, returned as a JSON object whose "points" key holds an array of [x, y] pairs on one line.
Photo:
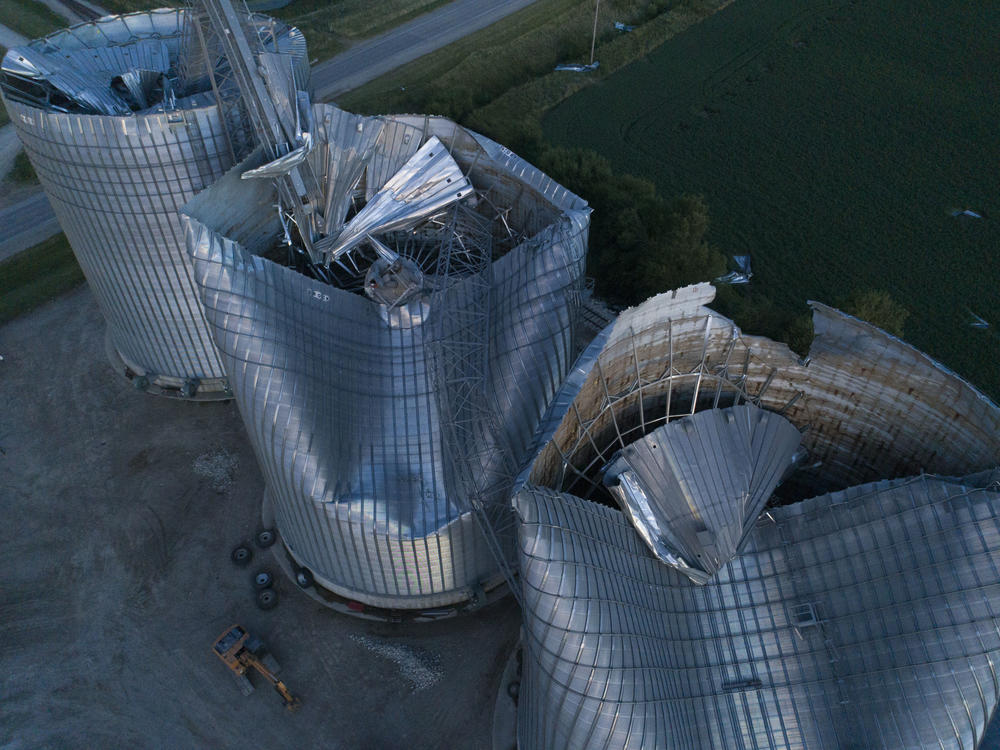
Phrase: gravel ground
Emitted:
{"points": [[120, 510]]}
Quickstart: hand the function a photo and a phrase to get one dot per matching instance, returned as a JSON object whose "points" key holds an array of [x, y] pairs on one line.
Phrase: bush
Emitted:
{"points": [[878, 308], [757, 314], [640, 243], [22, 172]]}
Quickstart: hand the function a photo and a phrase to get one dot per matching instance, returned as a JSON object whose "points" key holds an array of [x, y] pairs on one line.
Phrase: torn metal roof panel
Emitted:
{"points": [[694, 487]]}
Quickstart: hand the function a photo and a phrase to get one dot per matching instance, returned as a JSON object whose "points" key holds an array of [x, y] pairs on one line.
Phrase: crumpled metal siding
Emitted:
{"points": [[864, 618], [116, 184], [343, 401], [694, 487], [343, 414], [872, 406]]}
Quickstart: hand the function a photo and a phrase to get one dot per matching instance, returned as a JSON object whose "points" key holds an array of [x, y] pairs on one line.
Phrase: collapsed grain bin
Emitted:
{"points": [[123, 121], [806, 553], [392, 378], [860, 618]]}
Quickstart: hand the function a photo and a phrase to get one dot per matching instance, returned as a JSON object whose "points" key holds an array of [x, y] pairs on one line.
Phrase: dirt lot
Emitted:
{"points": [[120, 510]]}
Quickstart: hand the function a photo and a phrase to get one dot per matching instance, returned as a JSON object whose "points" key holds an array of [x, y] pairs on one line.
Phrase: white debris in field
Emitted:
{"points": [[219, 467], [418, 667]]}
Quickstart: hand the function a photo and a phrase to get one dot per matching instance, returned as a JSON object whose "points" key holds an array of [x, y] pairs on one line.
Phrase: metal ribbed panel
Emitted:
{"points": [[342, 414], [861, 619], [694, 487], [344, 398], [116, 183]]}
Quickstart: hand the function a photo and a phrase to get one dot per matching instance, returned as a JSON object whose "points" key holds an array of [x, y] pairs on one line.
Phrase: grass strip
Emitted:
{"points": [[528, 102], [37, 275], [30, 18], [131, 6], [22, 173]]}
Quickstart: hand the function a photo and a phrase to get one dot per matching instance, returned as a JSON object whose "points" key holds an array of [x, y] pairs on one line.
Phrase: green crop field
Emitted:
{"points": [[832, 141]]}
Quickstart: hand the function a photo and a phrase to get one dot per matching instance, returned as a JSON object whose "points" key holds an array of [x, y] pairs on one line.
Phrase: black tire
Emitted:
{"points": [[267, 598], [514, 690], [241, 555], [265, 538], [303, 577], [263, 579]]}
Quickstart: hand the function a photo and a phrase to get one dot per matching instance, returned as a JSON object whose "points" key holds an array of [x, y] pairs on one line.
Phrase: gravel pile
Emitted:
{"points": [[219, 467], [417, 666]]}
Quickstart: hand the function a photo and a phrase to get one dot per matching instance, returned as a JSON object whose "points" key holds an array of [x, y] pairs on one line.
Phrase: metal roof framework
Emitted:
{"points": [[869, 406]]}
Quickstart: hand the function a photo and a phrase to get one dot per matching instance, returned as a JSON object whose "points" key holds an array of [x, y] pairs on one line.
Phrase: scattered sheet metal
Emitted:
{"points": [[976, 321], [578, 67], [278, 167], [348, 143], [427, 184], [741, 275], [694, 487]]}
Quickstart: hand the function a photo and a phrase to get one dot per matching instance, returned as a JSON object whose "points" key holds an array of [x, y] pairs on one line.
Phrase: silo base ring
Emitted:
{"points": [[189, 389], [492, 591]]}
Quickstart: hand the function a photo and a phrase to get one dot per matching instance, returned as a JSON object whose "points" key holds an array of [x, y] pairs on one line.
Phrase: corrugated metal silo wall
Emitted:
{"points": [[116, 184], [344, 408]]}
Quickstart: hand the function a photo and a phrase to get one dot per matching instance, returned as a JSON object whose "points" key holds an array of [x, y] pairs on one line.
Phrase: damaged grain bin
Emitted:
{"points": [[123, 122], [393, 351], [854, 606], [869, 406], [861, 618]]}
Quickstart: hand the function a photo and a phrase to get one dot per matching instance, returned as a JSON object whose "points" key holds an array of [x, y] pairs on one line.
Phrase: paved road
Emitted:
{"points": [[380, 54]]}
